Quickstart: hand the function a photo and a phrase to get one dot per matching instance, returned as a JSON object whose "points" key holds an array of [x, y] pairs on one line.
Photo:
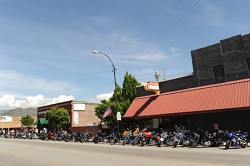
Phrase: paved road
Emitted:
{"points": [[48, 153]]}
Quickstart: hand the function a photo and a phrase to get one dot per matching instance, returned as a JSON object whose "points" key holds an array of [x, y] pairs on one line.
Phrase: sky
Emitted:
{"points": [[46, 45]]}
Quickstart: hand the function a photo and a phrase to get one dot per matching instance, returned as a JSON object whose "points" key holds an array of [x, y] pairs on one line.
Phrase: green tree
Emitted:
{"points": [[100, 110], [27, 120], [129, 90], [57, 117], [125, 96]]}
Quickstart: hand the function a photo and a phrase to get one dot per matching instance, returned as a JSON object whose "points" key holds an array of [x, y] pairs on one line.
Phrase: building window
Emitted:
{"points": [[248, 64], [219, 74]]}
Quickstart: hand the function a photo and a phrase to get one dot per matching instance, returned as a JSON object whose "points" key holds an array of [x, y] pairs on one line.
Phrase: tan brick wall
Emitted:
{"points": [[15, 124], [88, 116]]}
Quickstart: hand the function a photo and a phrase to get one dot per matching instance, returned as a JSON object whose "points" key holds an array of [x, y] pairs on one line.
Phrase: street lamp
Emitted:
{"points": [[118, 114]]}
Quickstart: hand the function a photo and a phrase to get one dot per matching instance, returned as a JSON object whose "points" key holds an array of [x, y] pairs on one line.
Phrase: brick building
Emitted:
{"points": [[218, 90], [227, 60], [9, 123], [82, 115]]}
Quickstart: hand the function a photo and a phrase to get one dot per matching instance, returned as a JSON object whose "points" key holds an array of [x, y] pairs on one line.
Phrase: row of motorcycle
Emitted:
{"points": [[185, 138], [59, 136]]}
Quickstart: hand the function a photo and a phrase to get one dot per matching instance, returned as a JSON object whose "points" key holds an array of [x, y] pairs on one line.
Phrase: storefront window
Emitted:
{"points": [[149, 123]]}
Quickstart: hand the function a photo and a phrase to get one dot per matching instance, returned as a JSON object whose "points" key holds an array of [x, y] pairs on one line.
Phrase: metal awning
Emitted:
{"points": [[211, 98]]}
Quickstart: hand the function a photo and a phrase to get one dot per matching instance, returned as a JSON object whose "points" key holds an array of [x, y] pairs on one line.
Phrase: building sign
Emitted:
{"points": [[76, 118], [6, 119], [79, 107], [152, 86], [118, 116]]}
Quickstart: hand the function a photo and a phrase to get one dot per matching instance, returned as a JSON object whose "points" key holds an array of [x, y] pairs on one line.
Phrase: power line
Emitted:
{"points": [[179, 19], [163, 19]]}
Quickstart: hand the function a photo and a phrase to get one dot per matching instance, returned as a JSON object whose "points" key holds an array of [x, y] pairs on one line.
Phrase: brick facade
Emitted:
{"points": [[80, 119], [231, 53]]}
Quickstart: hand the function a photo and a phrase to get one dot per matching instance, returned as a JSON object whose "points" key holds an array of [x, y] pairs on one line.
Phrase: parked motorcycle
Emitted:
{"points": [[100, 137], [115, 139], [207, 139], [237, 139], [149, 138], [59, 136], [164, 138], [128, 139], [71, 136], [178, 138], [137, 139], [85, 137]]}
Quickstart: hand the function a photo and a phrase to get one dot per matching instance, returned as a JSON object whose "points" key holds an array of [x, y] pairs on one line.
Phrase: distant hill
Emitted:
{"points": [[3, 111], [19, 112]]}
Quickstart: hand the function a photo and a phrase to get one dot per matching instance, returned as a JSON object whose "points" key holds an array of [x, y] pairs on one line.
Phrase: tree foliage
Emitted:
{"points": [[125, 96], [27, 120], [129, 90], [57, 117]]}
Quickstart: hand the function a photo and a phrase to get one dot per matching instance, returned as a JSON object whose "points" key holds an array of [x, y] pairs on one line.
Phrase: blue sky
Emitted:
{"points": [[45, 45]]}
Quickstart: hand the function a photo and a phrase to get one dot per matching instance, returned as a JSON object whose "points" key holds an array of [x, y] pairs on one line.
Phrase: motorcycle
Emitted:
{"points": [[149, 138], [237, 139], [164, 138], [85, 137], [115, 139], [189, 138], [59, 136], [137, 139], [128, 139], [100, 137], [178, 138], [71, 136], [207, 139]]}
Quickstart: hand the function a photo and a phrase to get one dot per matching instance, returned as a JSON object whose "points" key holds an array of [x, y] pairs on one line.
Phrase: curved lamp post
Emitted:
{"points": [[118, 114]]}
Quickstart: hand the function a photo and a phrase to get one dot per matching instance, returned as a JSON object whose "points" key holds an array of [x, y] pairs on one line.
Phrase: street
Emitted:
{"points": [[16, 152]]}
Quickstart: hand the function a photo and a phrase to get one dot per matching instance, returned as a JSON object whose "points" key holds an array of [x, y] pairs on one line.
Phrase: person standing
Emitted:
{"points": [[216, 126]]}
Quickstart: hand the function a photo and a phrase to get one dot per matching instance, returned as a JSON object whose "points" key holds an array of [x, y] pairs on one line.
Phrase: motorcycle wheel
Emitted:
{"points": [[141, 143], [244, 144], [133, 143], [175, 144], [81, 140], [112, 142], [124, 142], [227, 145], [193, 145], [159, 144], [96, 141]]}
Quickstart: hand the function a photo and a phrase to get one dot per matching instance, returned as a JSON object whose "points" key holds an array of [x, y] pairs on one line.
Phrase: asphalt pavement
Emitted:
{"points": [[15, 152]]}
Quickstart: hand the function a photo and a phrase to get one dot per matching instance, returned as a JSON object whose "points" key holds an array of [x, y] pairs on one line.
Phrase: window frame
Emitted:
{"points": [[218, 72], [248, 65]]}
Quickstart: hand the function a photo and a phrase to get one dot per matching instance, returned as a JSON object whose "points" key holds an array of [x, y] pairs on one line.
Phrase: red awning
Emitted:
{"points": [[224, 96]]}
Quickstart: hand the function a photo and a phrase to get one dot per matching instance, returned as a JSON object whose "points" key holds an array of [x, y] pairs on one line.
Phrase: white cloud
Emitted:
{"points": [[15, 83], [10, 102], [104, 96], [151, 57]]}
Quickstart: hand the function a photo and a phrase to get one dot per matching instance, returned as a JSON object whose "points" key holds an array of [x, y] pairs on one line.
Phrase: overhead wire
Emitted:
{"points": [[174, 23], [179, 19], [163, 19], [158, 25]]}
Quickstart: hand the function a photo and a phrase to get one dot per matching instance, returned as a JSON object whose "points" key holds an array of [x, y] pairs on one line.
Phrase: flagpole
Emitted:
{"points": [[115, 91]]}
